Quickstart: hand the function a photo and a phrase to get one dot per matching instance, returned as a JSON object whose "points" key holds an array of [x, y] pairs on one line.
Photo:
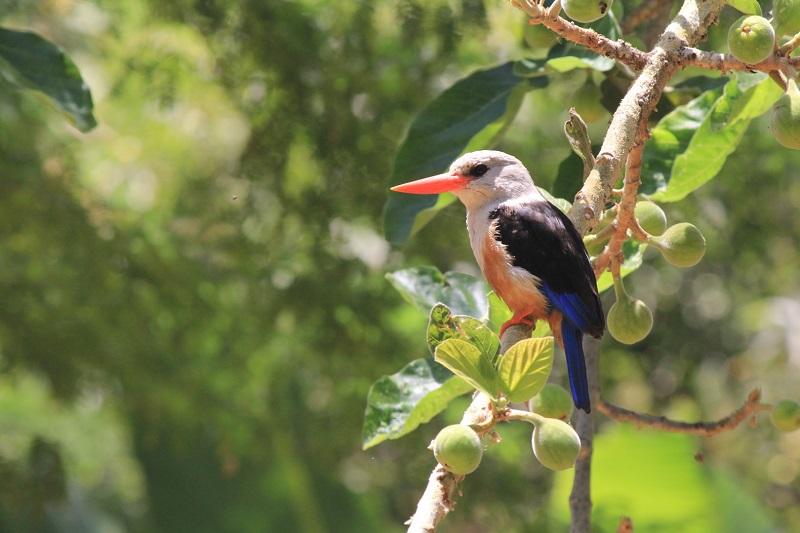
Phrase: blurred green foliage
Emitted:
{"points": [[194, 302]]}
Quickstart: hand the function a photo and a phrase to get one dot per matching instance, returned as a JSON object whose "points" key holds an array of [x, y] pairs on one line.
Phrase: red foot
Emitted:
{"points": [[518, 318]]}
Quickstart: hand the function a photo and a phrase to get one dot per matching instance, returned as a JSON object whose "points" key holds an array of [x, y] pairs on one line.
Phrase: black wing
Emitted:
{"points": [[543, 241]]}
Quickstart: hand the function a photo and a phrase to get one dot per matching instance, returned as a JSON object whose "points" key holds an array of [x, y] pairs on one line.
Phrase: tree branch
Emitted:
{"points": [[620, 50], [750, 407], [727, 63], [439, 496]]}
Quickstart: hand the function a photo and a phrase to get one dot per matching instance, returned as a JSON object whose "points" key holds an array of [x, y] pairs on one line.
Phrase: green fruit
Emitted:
{"points": [[682, 245], [594, 245], [629, 320], [751, 39], [786, 415], [555, 444], [458, 448], [586, 10], [786, 16], [587, 102], [553, 401], [651, 217], [538, 36], [785, 120]]}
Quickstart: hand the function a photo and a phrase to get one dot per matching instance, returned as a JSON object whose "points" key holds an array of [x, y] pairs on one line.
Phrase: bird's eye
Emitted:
{"points": [[478, 170]]}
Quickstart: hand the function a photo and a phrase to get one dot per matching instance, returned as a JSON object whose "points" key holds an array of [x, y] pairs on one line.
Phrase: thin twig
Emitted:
{"points": [[750, 407], [728, 63], [789, 45], [619, 50]]}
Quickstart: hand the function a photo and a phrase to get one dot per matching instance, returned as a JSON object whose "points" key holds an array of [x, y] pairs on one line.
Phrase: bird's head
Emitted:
{"points": [[477, 178]]}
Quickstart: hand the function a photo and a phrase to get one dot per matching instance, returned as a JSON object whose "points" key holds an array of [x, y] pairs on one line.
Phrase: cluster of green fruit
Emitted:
{"points": [[555, 444], [682, 245]]}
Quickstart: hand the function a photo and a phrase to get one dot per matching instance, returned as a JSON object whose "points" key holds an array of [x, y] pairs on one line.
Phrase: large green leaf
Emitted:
{"points": [[27, 61], [426, 286], [469, 363], [744, 98], [442, 130], [525, 367], [748, 7], [398, 404], [443, 325]]}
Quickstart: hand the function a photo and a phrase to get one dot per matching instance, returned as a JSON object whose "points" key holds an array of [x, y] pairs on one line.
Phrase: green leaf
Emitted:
{"points": [[28, 61], [633, 252], [720, 132], [398, 404], [748, 7], [525, 367], [443, 325], [499, 312], [439, 134], [426, 286], [467, 362], [530, 68]]}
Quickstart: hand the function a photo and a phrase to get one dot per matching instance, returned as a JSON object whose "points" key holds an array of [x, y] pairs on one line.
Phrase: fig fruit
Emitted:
{"points": [[651, 217], [587, 102], [682, 245], [751, 39], [537, 36], [785, 120], [586, 10], [458, 448], [555, 444], [553, 401], [786, 16], [786, 415], [629, 320]]}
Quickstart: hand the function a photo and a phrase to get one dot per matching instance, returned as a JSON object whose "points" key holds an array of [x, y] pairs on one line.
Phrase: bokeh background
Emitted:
{"points": [[193, 303]]}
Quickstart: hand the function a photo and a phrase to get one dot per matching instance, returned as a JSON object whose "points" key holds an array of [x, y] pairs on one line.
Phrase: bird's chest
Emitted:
{"points": [[518, 288]]}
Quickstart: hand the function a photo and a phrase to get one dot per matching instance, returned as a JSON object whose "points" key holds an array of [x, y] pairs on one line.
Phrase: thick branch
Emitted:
{"points": [[439, 496], [620, 50], [751, 406]]}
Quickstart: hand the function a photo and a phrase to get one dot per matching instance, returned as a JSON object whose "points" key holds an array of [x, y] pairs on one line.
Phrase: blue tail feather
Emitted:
{"points": [[576, 366]]}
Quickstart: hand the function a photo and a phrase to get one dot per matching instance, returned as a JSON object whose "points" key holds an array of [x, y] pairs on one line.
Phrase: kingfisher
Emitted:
{"points": [[528, 250]]}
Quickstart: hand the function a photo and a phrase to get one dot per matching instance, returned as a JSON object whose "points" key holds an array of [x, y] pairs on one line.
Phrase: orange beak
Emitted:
{"points": [[433, 185]]}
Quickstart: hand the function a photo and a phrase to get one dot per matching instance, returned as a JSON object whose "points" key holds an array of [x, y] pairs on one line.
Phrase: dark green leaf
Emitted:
{"points": [[439, 133], [443, 325], [525, 367], [467, 362], [28, 61], [398, 404], [426, 286]]}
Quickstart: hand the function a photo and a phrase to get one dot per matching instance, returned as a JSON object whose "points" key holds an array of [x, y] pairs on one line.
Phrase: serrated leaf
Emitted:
{"points": [[525, 367], [398, 404], [28, 61], [438, 134], [748, 7], [426, 286], [720, 132], [466, 361], [443, 325]]}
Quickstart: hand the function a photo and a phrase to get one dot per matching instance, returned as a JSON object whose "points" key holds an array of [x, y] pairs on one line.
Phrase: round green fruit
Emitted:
{"points": [[553, 401], [786, 415], [751, 39], [650, 217], [458, 448], [538, 36], [629, 320], [785, 119], [555, 444], [786, 16], [587, 102], [682, 245], [586, 10]]}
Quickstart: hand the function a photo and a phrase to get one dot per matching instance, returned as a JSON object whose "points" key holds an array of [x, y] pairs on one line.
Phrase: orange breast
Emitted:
{"points": [[518, 288]]}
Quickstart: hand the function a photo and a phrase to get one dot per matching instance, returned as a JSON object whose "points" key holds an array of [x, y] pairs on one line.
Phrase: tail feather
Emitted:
{"points": [[576, 366]]}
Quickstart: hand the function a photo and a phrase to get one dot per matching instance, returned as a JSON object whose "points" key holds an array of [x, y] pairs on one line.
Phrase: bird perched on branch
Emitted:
{"points": [[528, 250]]}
